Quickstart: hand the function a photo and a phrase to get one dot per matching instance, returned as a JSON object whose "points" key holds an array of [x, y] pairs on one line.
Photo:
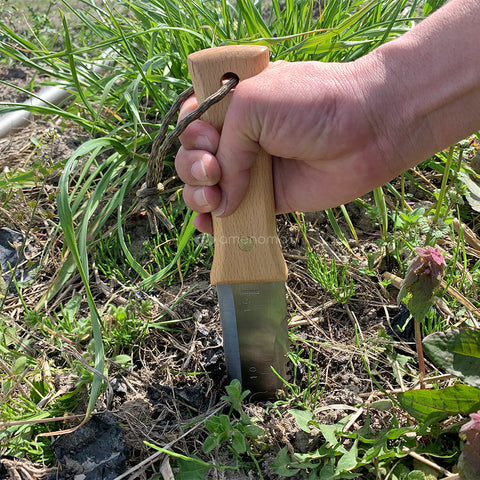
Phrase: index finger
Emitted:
{"points": [[198, 135]]}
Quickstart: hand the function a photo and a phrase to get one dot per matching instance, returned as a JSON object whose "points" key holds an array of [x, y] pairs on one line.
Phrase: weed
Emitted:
{"points": [[301, 392], [331, 277], [123, 329], [236, 430], [343, 454], [241, 434]]}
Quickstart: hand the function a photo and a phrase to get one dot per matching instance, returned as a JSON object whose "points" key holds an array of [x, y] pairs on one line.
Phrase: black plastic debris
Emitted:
{"points": [[402, 325], [95, 451], [10, 242]]}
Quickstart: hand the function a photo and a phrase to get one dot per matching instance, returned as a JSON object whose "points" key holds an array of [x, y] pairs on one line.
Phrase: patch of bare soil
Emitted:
{"points": [[17, 150], [179, 372]]}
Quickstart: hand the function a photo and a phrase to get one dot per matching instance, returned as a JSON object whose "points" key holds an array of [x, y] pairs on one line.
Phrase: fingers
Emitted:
{"points": [[199, 135], [197, 167], [202, 199], [201, 175], [237, 151], [216, 177], [203, 222]]}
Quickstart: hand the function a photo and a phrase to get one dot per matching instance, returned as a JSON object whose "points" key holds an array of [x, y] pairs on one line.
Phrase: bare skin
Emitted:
{"points": [[337, 131]]}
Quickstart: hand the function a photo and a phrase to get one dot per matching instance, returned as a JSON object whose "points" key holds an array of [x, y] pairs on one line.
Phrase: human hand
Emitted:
{"points": [[315, 120], [336, 131]]}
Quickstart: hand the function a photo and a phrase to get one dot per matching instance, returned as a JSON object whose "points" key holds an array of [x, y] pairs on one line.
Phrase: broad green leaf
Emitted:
{"points": [[281, 464], [382, 405], [225, 425], [457, 352], [400, 471], [328, 432], [395, 433], [238, 442], [328, 472], [349, 460], [210, 443], [419, 301], [473, 191], [20, 365], [416, 475], [122, 359], [440, 404], [303, 418], [72, 307], [253, 431]]}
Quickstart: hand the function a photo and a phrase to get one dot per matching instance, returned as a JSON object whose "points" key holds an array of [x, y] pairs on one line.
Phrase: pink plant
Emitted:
{"points": [[469, 462], [424, 275], [431, 259]]}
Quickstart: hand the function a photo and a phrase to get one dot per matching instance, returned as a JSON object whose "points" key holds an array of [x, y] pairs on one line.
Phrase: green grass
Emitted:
{"points": [[95, 220]]}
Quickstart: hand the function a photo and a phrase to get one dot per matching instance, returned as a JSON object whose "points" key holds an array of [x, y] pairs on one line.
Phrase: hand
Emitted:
{"points": [[311, 117], [336, 131]]}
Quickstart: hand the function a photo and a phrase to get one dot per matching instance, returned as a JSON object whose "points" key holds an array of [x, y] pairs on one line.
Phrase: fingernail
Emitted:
{"points": [[202, 142], [198, 170], [199, 197], [221, 209]]}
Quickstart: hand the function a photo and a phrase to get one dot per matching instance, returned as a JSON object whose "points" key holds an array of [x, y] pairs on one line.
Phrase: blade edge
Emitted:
{"points": [[228, 319]]}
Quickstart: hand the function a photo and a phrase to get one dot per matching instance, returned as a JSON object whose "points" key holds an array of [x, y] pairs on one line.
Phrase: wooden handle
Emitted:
{"points": [[247, 248]]}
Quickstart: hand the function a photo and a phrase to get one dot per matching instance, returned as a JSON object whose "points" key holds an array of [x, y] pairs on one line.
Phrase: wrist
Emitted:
{"points": [[422, 90]]}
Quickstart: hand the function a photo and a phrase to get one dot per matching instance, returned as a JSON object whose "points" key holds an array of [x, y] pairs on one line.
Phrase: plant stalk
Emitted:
{"points": [[421, 358], [443, 187]]}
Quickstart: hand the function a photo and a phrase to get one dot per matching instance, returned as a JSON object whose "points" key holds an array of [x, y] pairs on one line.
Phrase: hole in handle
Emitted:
{"points": [[229, 76]]}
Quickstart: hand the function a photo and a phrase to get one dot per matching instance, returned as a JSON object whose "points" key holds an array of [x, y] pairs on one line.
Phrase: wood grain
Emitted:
{"points": [[247, 248]]}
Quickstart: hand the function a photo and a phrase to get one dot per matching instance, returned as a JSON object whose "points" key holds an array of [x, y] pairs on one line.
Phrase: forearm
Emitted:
{"points": [[429, 84]]}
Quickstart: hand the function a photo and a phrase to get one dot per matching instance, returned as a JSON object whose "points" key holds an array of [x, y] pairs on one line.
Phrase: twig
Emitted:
{"points": [[353, 419], [431, 464]]}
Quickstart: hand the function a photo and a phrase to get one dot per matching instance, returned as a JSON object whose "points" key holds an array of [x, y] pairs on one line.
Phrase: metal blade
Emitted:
{"points": [[255, 335]]}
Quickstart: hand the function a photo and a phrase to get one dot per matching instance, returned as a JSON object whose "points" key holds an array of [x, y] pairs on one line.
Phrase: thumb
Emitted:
{"points": [[237, 150]]}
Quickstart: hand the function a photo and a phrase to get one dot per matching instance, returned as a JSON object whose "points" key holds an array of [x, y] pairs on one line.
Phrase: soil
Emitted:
{"points": [[157, 401]]}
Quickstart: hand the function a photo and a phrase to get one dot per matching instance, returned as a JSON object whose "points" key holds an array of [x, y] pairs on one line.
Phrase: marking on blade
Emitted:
{"points": [[260, 318]]}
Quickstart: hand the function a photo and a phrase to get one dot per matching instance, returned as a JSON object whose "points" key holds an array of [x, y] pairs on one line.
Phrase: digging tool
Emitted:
{"points": [[248, 266]]}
